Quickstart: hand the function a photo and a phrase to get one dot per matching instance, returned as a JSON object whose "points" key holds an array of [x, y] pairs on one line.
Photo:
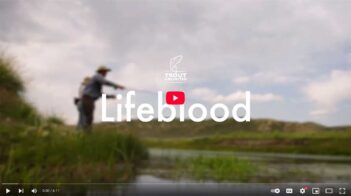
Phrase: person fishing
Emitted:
{"points": [[92, 91], [78, 102]]}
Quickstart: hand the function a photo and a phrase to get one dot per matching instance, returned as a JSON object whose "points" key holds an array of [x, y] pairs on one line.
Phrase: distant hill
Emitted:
{"points": [[209, 127], [260, 135]]}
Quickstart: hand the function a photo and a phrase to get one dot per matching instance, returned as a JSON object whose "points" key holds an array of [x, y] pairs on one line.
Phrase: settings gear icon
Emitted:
{"points": [[302, 191]]}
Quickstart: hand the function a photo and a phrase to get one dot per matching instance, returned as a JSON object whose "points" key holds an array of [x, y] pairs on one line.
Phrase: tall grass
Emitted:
{"points": [[10, 79], [63, 156], [217, 168], [13, 106]]}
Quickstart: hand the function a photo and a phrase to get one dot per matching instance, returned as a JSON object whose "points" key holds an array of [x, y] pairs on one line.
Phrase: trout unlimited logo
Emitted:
{"points": [[174, 75]]}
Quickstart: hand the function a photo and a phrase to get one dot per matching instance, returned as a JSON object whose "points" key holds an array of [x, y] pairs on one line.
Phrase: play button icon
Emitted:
{"points": [[7, 191], [175, 97]]}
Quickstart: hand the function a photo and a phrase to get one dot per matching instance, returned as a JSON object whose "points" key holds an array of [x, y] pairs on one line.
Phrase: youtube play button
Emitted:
{"points": [[175, 97]]}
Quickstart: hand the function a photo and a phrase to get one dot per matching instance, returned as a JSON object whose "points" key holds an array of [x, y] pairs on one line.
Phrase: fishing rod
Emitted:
{"points": [[142, 91], [154, 93]]}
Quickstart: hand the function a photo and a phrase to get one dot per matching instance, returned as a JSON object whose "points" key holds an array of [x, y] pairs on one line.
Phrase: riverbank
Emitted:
{"points": [[261, 135], [58, 154], [309, 142], [259, 167]]}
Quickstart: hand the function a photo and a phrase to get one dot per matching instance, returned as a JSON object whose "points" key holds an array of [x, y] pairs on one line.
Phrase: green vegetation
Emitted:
{"points": [[10, 79], [34, 148], [326, 142], [62, 156], [13, 107], [189, 129], [256, 136], [216, 168]]}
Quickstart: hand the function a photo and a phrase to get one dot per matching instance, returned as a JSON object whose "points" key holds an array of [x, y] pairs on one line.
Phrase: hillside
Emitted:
{"points": [[13, 106], [188, 128], [261, 135]]}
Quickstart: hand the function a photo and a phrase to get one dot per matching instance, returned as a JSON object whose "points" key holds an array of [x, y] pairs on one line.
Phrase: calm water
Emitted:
{"points": [[277, 168]]}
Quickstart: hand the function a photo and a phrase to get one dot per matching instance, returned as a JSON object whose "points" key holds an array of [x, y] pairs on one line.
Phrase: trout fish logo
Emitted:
{"points": [[174, 75]]}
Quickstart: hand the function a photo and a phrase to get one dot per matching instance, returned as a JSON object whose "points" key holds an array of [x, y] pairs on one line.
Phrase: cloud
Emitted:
{"points": [[242, 80], [211, 96], [320, 112], [55, 53], [329, 92], [291, 39], [135, 76], [267, 78]]}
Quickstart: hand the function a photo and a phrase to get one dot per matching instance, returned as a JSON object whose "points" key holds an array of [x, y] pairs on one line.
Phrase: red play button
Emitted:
{"points": [[175, 97]]}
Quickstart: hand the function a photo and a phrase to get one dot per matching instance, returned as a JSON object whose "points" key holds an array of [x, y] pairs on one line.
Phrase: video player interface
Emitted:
{"points": [[153, 97]]}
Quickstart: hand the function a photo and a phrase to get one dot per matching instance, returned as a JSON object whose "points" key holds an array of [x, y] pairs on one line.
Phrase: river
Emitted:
{"points": [[273, 167]]}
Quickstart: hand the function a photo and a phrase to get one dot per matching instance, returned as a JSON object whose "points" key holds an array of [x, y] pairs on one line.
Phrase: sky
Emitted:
{"points": [[293, 56]]}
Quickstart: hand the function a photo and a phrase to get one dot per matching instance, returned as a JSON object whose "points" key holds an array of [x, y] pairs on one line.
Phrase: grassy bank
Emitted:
{"points": [[202, 168], [262, 135], [218, 169], [35, 148], [13, 106], [309, 142], [62, 156]]}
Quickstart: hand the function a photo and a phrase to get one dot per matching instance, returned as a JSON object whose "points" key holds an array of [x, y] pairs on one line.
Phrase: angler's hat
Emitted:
{"points": [[103, 68]]}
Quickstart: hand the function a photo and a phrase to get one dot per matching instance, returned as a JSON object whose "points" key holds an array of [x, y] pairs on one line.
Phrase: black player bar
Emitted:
{"points": [[177, 189]]}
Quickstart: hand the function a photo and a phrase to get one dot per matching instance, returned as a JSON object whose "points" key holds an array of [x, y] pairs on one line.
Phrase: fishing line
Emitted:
{"points": [[143, 91]]}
